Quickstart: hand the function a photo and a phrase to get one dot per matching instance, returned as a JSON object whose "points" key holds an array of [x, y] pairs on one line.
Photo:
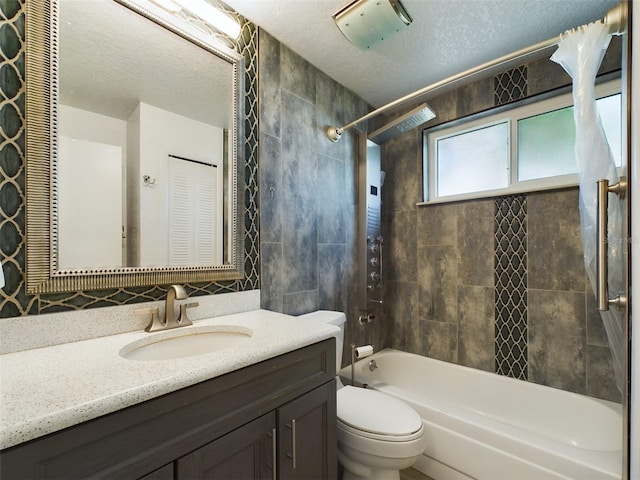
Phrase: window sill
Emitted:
{"points": [[553, 183]]}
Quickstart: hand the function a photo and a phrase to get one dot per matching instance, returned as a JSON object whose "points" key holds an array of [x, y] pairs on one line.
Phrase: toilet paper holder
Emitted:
{"points": [[356, 354]]}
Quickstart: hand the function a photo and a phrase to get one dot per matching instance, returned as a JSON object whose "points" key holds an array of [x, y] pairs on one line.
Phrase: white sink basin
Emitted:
{"points": [[186, 342]]}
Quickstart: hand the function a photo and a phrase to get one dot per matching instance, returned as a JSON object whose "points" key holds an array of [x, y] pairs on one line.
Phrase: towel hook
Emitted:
{"points": [[148, 180]]}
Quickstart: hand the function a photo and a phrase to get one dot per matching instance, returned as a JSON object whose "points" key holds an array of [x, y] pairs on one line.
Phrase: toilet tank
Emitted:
{"points": [[333, 318]]}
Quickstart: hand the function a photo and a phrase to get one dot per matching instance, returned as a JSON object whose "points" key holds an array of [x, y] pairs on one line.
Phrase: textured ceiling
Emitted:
{"points": [[445, 38], [111, 58]]}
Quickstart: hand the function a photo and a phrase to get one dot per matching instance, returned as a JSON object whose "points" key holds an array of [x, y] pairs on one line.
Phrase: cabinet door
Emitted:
{"points": [[244, 454], [307, 441]]}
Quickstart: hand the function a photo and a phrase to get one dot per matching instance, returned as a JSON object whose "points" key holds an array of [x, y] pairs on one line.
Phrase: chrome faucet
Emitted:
{"points": [[170, 320]]}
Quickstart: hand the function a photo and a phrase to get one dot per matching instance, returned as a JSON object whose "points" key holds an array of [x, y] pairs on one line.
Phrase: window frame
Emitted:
{"points": [[510, 114]]}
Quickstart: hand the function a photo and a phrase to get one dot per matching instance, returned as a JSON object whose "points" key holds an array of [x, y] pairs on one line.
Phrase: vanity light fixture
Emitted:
{"points": [[211, 16], [366, 23]]}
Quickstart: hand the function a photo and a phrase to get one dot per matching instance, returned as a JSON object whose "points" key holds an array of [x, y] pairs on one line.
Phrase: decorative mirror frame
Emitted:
{"points": [[41, 85]]}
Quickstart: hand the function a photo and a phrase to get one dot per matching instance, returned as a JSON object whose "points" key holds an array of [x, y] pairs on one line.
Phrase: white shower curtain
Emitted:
{"points": [[580, 54]]}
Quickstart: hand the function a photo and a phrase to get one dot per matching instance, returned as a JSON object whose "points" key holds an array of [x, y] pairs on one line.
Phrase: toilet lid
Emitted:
{"points": [[375, 412]]}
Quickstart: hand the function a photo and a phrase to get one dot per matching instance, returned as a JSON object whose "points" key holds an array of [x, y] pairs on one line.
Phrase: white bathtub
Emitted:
{"points": [[486, 426]]}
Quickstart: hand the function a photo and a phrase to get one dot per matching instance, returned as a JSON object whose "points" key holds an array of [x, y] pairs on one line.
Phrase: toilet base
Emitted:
{"points": [[360, 466], [362, 457]]}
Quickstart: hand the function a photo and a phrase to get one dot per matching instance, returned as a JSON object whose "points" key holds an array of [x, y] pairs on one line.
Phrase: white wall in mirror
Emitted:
{"points": [[154, 135]]}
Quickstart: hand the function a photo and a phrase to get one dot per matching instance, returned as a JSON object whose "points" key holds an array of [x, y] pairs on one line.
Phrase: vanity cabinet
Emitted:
{"points": [[294, 438], [223, 428]]}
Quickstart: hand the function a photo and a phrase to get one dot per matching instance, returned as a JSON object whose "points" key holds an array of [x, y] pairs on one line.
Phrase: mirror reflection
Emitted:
{"points": [[143, 176]]}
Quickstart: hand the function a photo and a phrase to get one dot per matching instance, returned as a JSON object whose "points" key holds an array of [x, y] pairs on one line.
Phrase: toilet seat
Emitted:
{"points": [[374, 415], [380, 436]]}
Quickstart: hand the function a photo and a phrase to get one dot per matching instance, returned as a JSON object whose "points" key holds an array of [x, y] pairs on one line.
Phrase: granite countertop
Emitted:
{"points": [[47, 389]]}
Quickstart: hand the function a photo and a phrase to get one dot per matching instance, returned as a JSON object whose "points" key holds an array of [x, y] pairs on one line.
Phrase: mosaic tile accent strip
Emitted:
{"points": [[510, 85], [15, 301], [511, 286], [248, 47]]}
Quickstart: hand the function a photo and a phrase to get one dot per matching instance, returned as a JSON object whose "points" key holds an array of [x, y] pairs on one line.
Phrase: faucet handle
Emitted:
{"points": [[155, 324], [183, 320]]}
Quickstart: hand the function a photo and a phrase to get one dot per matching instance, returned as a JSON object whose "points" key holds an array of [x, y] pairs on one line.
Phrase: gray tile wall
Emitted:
{"points": [[307, 191], [440, 272]]}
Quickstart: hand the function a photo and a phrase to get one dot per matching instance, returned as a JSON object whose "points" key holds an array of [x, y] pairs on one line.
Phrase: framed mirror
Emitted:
{"points": [[133, 131]]}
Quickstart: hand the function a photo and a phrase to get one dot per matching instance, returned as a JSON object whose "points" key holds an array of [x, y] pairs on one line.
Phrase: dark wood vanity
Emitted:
{"points": [[272, 420]]}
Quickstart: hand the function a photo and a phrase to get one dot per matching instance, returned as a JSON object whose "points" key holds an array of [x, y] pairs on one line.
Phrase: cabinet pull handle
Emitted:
{"points": [[274, 453], [292, 455], [293, 444]]}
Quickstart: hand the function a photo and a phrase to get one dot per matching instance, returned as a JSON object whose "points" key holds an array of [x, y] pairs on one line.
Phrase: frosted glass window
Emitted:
{"points": [[474, 161], [545, 145], [546, 141], [525, 148], [611, 114]]}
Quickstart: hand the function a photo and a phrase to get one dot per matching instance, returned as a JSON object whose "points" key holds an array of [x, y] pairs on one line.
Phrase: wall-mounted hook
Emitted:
{"points": [[148, 180]]}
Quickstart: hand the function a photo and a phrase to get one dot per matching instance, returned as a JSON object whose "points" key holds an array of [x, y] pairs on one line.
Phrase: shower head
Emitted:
{"points": [[400, 125]]}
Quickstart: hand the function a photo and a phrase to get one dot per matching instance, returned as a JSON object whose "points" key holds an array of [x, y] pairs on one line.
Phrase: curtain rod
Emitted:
{"points": [[615, 19]]}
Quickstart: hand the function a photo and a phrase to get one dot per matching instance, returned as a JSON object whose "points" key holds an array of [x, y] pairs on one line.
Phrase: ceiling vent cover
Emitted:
{"points": [[366, 23]]}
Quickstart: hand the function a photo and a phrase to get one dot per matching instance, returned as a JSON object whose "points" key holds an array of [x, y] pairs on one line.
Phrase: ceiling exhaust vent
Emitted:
{"points": [[366, 23]]}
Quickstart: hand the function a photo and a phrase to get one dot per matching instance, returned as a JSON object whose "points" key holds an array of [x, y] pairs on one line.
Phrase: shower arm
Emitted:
{"points": [[615, 18]]}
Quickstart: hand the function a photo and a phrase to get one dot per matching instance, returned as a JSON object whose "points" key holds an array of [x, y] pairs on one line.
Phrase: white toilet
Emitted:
{"points": [[378, 435]]}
